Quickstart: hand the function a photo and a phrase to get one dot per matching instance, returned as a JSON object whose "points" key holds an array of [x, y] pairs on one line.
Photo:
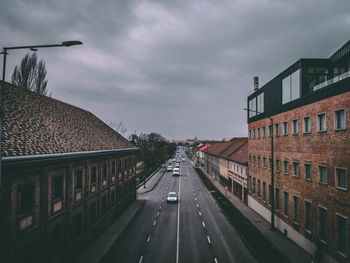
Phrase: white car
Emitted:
{"points": [[169, 168], [177, 164], [172, 197], [176, 171], [183, 159]]}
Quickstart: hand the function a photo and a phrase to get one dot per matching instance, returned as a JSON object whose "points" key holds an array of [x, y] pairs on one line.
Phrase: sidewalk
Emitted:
{"points": [[151, 181], [283, 244], [99, 248]]}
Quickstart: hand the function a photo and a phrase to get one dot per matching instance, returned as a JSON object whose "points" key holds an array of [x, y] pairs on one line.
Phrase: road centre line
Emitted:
{"points": [[149, 237], [140, 259], [215, 260], [178, 224], [199, 212], [158, 213], [154, 222], [209, 241], [203, 224]]}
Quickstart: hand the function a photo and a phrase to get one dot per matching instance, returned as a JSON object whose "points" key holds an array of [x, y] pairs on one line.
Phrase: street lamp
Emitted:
{"points": [[4, 52], [272, 195]]}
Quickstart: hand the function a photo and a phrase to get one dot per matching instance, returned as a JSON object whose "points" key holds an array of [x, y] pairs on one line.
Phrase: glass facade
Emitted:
{"points": [[291, 87]]}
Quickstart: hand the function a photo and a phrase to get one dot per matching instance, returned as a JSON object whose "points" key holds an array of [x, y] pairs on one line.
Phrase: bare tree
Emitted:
{"points": [[119, 127], [30, 74]]}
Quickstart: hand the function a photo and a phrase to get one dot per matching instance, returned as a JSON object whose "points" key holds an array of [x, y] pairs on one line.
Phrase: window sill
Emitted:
{"points": [[339, 129], [342, 254], [295, 134], [307, 132], [324, 184], [285, 134], [286, 173], [308, 179], [296, 176], [341, 188], [321, 131]]}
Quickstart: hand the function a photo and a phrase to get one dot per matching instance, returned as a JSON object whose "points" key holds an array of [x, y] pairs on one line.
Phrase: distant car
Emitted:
{"points": [[174, 160], [177, 164], [172, 197], [169, 168], [176, 171], [183, 159]]}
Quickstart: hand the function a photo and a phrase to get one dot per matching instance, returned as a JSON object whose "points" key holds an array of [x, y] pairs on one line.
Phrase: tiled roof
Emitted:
{"points": [[236, 149], [35, 124], [204, 147]]}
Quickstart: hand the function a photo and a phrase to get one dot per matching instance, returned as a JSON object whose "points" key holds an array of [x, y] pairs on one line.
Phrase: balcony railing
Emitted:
{"points": [[331, 81]]}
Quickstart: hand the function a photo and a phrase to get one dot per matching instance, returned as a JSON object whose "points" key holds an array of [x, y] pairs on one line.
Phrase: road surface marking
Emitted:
{"points": [[160, 208], [198, 205], [154, 222], [216, 261], [149, 237], [200, 213], [178, 224], [158, 213], [140, 259], [195, 199], [208, 239], [203, 224]]}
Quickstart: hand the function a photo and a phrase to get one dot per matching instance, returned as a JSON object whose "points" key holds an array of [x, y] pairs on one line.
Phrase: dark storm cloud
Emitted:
{"points": [[181, 68]]}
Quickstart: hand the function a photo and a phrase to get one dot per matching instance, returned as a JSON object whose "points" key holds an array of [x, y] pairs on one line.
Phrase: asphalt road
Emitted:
{"points": [[193, 230]]}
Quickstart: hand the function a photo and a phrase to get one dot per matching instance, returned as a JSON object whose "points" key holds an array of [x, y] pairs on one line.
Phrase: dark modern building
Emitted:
{"points": [[65, 176], [306, 109]]}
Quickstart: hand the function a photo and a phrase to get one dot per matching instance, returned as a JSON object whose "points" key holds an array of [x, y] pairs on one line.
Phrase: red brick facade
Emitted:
{"points": [[304, 150]]}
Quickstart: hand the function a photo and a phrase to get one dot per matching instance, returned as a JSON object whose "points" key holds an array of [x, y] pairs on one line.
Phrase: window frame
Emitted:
{"points": [[309, 229], [295, 132], [336, 178], [318, 122], [309, 124], [285, 128], [286, 171], [343, 253], [336, 120], [296, 173], [309, 164], [319, 224], [319, 175]]}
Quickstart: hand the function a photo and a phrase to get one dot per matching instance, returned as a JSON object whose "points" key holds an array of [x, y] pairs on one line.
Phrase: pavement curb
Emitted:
{"points": [[149, 177], [152, 188]]}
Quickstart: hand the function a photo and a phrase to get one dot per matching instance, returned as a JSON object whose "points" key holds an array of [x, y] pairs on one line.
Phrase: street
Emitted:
{"points": [[192, 230]]}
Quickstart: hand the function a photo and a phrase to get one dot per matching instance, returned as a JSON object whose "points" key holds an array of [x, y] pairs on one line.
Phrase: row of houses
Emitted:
{"points": [[297, 162], [228, 163], [65, 176]]}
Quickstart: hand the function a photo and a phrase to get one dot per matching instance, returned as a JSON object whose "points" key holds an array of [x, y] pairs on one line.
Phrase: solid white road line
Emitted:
{"points": [[140, 259], [178, 224], [149, 237], [215, 260], [203, 224], [208, 239], [154, 222], [158, 213], [200, 213]]}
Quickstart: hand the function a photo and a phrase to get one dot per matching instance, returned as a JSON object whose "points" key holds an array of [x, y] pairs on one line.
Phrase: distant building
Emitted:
{"points": [[65, 176], [309, 104], [228, 163]]}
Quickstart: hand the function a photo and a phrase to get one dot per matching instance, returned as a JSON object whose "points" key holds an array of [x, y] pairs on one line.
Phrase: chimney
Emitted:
{"points": [[256, 83]]}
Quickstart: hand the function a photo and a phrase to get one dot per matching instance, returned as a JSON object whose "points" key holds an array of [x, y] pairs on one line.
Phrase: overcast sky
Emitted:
{"points": [[179, 68]]}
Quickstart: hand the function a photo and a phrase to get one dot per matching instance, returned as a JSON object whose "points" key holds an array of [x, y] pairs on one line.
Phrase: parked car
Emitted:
{"points": [[172, 197], [169, 168]]}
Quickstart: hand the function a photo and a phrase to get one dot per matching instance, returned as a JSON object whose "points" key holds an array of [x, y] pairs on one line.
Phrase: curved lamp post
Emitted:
{"points": [[4, 52]]}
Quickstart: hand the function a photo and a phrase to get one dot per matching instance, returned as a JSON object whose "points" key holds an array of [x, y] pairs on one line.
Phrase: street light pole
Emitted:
{"points": [[4, 53], [272, 195]]}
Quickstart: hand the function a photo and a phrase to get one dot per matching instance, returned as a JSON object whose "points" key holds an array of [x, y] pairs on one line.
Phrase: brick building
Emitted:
{"points": [[66, 175], [309, 104]]}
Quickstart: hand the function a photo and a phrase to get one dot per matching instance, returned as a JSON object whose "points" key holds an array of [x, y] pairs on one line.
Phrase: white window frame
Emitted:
{"points": [[325, 122], [297, 128], [336, 235], [304, 124], [335, 120], [277, 129], [298, 172], [336, 178], [308, 179], [285, 128], [319, 174]]}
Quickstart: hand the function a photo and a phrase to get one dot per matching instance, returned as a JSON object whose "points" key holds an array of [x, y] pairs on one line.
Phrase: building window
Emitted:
{"points": [[258, 131], [291, 87], [270, 130], [339, 119], [259, 188], [340, 175], [342, 237], [296, 169], [113, 168], [264, 162], [277, 129], [307, 125], [277, 199], [250, 134], [78, 180], [250, 158], [104, 171], [322, 173], [296, 209], [25, 197], [253, 185], [322, 216], [120, 168], [250, 183], [295, 126], [285, 164], [285, 128], [286, 203], [270, 163], [264, 132], [254, 134], [264, 191], [57, 187], [93, 177], [278, 165], [254, 160], [104, 204], [270, 194], [321, 122], [308, 216], [258, 161], [93, 213], [307, 171]]}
